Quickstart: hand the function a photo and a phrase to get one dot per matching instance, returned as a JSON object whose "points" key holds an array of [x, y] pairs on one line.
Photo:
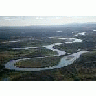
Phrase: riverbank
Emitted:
{"points": [[64, 43], [77, 71], [64, 61], [38, 62]]}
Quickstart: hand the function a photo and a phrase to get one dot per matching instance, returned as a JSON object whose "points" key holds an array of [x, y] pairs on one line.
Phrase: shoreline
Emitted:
{"points": [[64, 61]]}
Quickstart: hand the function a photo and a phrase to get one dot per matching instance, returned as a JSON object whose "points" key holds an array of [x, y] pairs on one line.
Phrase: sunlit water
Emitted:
{"points": [[26, 48], [71, 40], [81, 33]]}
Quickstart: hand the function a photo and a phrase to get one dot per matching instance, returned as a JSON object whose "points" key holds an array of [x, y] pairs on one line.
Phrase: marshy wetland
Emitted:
{"points": [[48, 53]]}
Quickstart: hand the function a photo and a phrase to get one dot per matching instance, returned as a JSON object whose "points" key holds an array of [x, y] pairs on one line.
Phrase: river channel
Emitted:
{"points": [[64, 61]]}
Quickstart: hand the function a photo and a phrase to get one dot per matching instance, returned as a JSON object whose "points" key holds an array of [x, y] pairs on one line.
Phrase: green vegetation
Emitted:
{"points": [[82, 69], [73, 47], [69, 48], [79, 71], [5, 56], [38, 62], [88, 57], [41, 52]]}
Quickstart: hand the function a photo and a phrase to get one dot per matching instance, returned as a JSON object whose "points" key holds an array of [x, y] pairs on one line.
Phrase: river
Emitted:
{"points": [[64, 61]]}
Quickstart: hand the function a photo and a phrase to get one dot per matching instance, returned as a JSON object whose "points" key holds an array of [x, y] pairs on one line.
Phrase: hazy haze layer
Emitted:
{"points": [[43, 20]]}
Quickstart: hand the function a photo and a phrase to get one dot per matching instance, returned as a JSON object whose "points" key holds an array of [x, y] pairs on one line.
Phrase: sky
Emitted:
{"points": [[43, 20]]}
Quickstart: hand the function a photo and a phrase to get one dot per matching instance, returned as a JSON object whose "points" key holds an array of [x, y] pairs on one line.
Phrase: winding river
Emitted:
{"points": [[64, 61]]}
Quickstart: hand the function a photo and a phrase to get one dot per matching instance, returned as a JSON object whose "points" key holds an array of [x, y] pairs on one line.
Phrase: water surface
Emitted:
{"points": [[64, 61]]}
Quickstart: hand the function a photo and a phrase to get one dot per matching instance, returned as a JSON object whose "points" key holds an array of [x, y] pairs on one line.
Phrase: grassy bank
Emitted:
{"points": [[79, 71], [38, 62]]}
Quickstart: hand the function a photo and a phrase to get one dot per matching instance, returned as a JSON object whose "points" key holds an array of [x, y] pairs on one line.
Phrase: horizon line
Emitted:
{"points": [[51, 25]]}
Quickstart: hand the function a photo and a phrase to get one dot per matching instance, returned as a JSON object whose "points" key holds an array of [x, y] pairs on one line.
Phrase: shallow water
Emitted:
{"points": [[58, 51], [81, 33], [26, 48], [64, 61], [58, 31], [11, 41], [94, 30], [71, 40]]}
